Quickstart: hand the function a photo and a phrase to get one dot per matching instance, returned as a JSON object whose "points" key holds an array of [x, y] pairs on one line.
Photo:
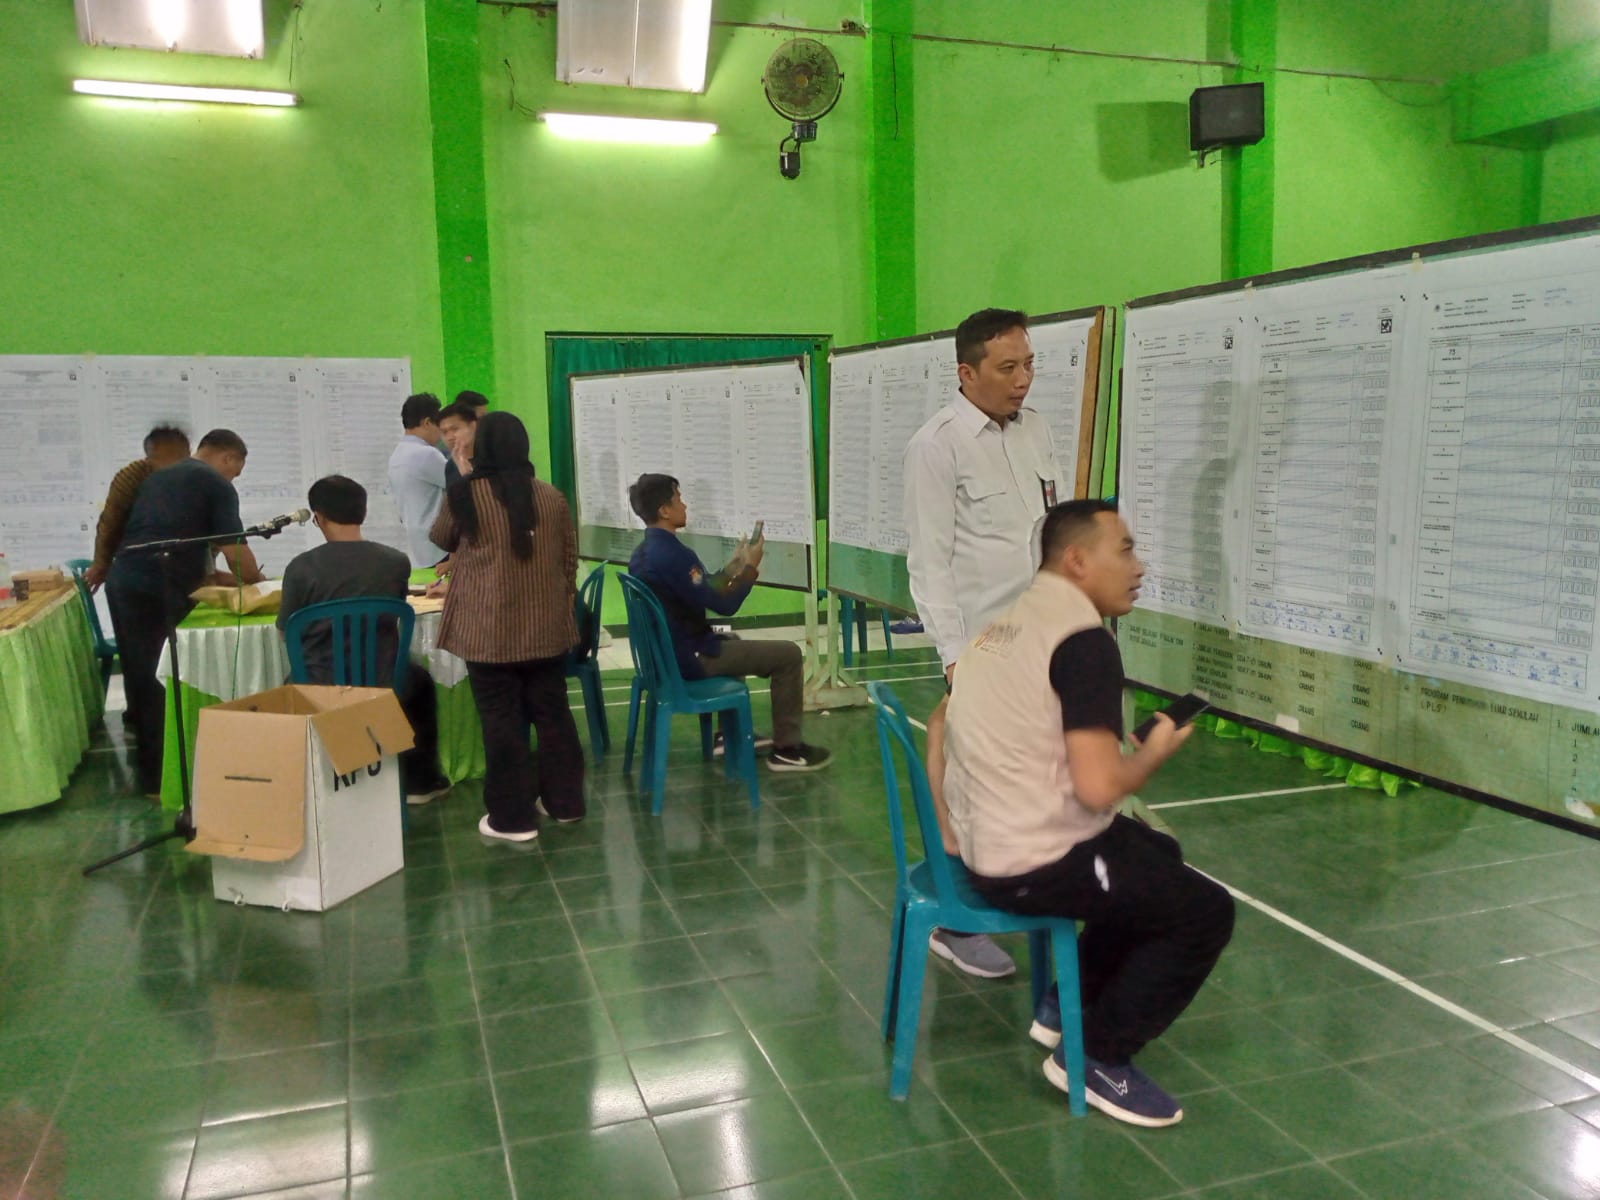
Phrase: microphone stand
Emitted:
{"points": [[183, 824]]}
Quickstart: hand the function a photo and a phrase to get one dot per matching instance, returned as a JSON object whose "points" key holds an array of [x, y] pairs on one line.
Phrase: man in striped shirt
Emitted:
{"points": [[163, 446]]}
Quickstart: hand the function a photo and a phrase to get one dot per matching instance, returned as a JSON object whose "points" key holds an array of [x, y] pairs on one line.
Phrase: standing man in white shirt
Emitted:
{"points": [[978, 478], [416, 477]]}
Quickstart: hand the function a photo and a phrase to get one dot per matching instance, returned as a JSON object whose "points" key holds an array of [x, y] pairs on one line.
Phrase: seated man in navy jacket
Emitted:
{"points": [[686, 590]]}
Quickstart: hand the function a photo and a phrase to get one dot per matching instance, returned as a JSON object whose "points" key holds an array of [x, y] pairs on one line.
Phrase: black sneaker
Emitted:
{"points": [[763, 744], [798, 758], [421, 792], [1124, 1092]]}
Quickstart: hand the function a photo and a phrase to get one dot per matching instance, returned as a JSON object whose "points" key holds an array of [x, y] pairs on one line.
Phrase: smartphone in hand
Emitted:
{"points": [[1182, 711], [755, 534]]}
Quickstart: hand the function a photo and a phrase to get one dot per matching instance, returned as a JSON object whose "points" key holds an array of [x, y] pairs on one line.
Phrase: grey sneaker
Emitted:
{"points": [[973, 953]]}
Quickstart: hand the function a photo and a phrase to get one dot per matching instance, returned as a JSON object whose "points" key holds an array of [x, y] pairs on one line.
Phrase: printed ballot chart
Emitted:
{"points": [[736, 436], [1369, 505], [881, 394], [75, 421]]}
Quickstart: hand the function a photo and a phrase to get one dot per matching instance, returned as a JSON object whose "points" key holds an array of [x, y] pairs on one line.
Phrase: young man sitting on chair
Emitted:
{"points": [[349, 567], [1034, 770], [686, 590]]}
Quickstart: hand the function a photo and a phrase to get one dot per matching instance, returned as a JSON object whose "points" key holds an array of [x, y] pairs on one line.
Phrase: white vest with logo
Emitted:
{"points": [[1010, 795]]}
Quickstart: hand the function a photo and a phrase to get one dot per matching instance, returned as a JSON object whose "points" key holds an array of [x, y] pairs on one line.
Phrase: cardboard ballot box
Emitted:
{"points": [[297, 794]]}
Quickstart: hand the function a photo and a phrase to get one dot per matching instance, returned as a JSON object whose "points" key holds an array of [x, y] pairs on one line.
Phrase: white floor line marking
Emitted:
{"points": [[918, 724], [1294, 791], [1416, 989]]}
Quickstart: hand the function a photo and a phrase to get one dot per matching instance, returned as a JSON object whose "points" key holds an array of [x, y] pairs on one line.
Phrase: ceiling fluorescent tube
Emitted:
{"points": [[628, 129], [170, 91]]}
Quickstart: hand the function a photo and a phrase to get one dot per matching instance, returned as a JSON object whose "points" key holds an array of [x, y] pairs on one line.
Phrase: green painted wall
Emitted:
{"points": [[136, 228], [627, 239], [1571, 179], [1364, 164], [1043, 178]]}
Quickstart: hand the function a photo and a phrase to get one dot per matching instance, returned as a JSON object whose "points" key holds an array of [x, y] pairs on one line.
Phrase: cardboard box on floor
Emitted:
{"points": [[297, 795]]}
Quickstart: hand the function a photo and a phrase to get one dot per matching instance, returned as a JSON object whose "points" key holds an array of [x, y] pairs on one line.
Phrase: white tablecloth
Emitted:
{"points": [[232, 661]]}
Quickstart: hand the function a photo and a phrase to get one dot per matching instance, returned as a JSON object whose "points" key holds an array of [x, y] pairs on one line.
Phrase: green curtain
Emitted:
{"points": [[570, 354]]}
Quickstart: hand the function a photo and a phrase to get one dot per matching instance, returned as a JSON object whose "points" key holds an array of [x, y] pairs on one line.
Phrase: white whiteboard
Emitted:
{"points": [[74, 421], [1400, 464], [881, 395], [736, 437]]}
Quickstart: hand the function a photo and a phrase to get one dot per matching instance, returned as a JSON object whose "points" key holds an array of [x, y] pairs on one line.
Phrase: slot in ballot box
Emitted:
{"points": [[297, 794]]}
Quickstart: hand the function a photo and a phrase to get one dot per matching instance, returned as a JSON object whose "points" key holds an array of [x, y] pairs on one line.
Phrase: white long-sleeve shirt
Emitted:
{"points": [[974, 490], [416, 481]]}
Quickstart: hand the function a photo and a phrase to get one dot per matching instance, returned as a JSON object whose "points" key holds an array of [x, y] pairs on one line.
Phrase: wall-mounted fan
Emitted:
{"points": [[803, 83]]}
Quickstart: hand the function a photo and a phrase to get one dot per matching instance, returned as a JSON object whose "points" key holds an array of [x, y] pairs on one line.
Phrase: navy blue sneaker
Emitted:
{"points": [[1046, 1028], [1125, 1093]]}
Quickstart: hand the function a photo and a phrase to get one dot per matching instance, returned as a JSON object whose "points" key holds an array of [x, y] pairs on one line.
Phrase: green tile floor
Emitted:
{"points": [[688, 1006]]}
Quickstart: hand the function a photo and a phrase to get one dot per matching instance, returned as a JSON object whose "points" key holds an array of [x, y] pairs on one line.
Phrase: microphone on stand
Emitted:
{"points": [[267, 528]]}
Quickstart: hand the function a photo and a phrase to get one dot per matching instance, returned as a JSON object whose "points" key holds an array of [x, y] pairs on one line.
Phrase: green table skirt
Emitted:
{"points": [[460, 737], [51, 695]]}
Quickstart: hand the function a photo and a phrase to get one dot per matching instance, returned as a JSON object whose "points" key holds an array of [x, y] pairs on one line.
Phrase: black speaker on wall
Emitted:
{"points": [[1234, 115]]}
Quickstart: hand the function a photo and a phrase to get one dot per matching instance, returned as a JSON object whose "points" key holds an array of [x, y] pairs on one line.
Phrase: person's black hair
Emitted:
{"points": [[476, 399], [1070, 522], [975, 333], [649, 494], [225, 440], [339, 498], [419, 408], [165, 435], [465, 411], [499, 455]]}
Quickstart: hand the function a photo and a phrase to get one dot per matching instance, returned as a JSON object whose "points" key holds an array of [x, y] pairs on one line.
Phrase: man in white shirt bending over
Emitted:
{"points": [[416, 477], [978, 477]]}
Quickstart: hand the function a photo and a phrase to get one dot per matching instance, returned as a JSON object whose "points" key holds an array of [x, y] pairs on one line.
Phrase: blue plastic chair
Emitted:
{"points": [[851, 617], [105, 649], [670, 694], [355, 625], [938, 893], [583, 663]]}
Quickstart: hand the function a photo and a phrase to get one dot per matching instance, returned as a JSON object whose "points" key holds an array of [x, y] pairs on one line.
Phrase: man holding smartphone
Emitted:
{"points": [[687, 591], [1033, 777]]}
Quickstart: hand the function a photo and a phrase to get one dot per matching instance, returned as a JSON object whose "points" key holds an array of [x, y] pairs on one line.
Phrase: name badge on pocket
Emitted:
{"points": [[1048, 487]]}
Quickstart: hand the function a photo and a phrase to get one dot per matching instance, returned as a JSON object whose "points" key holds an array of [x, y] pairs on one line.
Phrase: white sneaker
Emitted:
{"points": [[489, 830]]}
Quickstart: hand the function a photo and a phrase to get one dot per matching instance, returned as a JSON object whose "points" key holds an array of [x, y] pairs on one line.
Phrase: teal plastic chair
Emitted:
{"points": [[670, 694], [850, 617], [583, 663], [938, 893], [355, 625], [105, 649]]}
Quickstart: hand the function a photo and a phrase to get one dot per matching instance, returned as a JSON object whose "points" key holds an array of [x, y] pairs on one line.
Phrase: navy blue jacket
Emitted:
{"points": [[679, 579]]}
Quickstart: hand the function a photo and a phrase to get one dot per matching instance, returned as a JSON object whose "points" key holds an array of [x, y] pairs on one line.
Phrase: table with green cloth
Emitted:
{"points": [[51, 696], [222, 656]]}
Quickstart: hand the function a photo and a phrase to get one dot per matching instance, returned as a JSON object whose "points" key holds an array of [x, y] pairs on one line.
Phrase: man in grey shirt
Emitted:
{"points": [[349, 567], [416, 476]]}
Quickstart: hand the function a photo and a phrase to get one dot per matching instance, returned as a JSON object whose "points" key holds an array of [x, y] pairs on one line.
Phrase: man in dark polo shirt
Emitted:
{"points": [[687, 590], [1034, 771], [348, 567], [193, 498]]}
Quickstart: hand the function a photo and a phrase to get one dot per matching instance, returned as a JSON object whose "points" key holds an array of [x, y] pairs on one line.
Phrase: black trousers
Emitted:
{"points": [[510, 697], [419, 766], [1153, 929], [142, 622]]}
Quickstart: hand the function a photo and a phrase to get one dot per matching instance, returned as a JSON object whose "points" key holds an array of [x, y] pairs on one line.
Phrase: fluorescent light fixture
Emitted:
{"points": [[172, 91], [628, 129]]}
